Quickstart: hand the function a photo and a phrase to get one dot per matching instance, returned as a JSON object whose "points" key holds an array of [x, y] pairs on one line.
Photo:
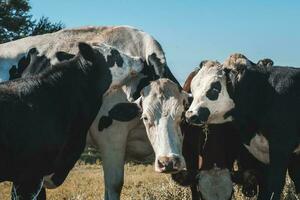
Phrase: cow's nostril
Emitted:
{"points": [[168, 164], [160, 164], [193, 118], [203, 114]]}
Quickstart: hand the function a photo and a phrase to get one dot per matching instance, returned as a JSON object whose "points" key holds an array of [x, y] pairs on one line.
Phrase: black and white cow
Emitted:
{"points": [[44, 120], [260, 100], [161, 106], [130, 137]]}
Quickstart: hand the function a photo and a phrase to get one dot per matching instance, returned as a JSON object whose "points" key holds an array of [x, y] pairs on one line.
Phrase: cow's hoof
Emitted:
{"points": [[48, 183], [249, 192]]}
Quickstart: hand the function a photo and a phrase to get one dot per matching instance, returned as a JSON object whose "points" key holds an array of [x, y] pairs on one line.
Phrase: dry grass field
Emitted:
{"points": [[85, 182]]}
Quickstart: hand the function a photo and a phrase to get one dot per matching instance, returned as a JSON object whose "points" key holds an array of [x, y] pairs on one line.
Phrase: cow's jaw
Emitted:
{"points": [[211, 101]]}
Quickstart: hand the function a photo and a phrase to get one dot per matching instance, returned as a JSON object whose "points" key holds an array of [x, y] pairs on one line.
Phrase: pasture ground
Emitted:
{"points": [[85, 182]]}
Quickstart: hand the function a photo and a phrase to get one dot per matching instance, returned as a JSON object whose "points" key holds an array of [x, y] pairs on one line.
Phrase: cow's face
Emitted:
{"points": [[211, 101], [161, 107]]}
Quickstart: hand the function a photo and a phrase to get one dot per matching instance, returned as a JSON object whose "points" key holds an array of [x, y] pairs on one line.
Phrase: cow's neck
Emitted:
{"points": [[251, 97]]}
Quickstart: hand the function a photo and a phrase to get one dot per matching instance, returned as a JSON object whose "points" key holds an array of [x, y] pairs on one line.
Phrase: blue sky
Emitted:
{"points": [[194, 30]]}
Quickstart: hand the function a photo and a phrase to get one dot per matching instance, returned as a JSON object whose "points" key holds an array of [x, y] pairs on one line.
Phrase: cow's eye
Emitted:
{"points": [[145, 119]]}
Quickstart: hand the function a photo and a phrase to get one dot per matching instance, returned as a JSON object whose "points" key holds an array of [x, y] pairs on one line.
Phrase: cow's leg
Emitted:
{"points": [[262, 181], [294, 171], [27, 190], [195, 194], [280, 150], [42, 195], [112, 145]]}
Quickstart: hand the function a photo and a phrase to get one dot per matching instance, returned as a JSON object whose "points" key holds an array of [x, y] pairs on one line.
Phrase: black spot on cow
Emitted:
{"points": [[150, 75], [214, 90], [124, 111], [155, 70], [62, 56], [30, 64], [37, 64], [114, 58], [13, 73], [156, 63], [203, 114], [16, 71], [104, 122]]}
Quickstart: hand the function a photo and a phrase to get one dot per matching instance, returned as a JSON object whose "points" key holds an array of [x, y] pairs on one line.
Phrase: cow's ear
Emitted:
{"points": [[125, 111], [86, 51], [62, 56]]}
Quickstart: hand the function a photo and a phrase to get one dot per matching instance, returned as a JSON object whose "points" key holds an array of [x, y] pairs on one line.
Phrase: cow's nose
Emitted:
{"points": [[168, 164], [191, 117], [203, 114], [198, 118]]}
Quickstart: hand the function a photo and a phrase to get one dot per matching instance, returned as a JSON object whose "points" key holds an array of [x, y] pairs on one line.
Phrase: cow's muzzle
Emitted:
{"points": [[199, 117], [169, 164]]}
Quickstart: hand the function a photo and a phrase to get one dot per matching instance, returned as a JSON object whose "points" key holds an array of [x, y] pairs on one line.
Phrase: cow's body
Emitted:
{"points": [[45, 119], [128, 136], [219, 148], [261, 100]]}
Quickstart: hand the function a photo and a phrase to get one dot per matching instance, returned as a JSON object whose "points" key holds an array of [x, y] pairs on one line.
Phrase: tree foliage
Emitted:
{"points": [[16, 22]]}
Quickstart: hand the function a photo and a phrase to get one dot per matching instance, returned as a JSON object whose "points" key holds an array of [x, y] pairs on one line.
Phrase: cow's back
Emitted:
{"points": [[127, 39]]}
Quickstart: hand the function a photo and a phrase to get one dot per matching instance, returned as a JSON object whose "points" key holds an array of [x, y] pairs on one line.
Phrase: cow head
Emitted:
{"points": [[213, 90], [266, 62], [210, 96], [161, 106]]}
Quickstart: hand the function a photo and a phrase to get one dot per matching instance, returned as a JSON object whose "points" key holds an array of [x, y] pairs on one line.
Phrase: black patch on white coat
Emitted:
{"points": [[214, 91], [16, 72], [203, 114], [150, 75], [114, 58], [124, 111], [29, 65], [155, 70], [104, 122], [62, 56]]}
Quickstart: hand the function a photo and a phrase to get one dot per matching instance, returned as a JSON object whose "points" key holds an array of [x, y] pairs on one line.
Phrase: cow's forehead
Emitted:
{"points": [[205, 76], [162, 87], [162, 96]]}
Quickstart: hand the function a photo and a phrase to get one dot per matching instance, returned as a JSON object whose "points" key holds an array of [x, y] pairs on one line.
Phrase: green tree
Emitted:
{"points": [[16, 21]]}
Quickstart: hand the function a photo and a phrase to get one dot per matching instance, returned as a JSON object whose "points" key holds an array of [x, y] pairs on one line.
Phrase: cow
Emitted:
{"points": [[130, 136], [263, 102], [160, 106], [45, 119], [205, 149]]}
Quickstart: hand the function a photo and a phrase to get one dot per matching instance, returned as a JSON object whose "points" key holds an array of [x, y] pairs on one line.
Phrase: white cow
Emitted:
{"points": [[113, 138]]}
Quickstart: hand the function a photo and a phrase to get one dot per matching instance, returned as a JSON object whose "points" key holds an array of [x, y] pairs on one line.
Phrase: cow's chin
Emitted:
{"points": [[219, 120], [181, 167]]}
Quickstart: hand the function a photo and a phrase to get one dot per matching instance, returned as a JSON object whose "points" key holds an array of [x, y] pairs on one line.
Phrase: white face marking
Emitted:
{"points": [[200, 84], [162, 110], [215, 184]]}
